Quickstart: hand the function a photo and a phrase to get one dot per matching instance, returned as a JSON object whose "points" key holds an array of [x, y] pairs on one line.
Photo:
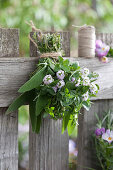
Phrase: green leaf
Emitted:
{"points": [[38, 123], [33, 117], [41, 102], [70, 85], [70, 127], [65, 121], [86, 105], [35, 81], [21, 100], [35, 120]]}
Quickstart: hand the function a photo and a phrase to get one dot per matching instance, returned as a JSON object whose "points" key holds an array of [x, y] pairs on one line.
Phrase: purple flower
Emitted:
{"points": [[48, 79], [73, 79], [103, 130], [60, 84], [55, 88], [98, 132], [102, 51], [60, 74], [98, 43]]}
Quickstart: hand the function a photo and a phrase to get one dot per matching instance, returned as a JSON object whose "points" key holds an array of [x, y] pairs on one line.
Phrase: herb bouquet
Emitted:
{"points": [[58, 88]]}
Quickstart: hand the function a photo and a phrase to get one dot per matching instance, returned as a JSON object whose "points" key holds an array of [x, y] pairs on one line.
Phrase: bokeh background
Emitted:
{"points": [[52, 15]]}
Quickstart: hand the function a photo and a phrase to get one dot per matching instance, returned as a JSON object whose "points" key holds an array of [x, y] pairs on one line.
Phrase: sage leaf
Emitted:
{"points": [[38, 124], [21, 100], [33, 117], [35, 81], [65, 121], [35, 120], [41, 102]]}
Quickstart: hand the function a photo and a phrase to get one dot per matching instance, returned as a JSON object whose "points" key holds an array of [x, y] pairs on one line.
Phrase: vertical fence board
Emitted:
{"points": [[87, 122], [9, 47], [49, 149]]}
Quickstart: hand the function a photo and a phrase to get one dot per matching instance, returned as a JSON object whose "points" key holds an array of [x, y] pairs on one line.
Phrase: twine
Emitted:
{"points": [[53, 55], [86, 41]]}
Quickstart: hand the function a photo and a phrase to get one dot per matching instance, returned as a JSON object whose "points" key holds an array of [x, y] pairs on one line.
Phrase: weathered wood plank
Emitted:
{"points": [[87, 123], [9, 47], [13, 74], [15, 71], [87, 120], [49, 149], [8, 140], [9, 39]]}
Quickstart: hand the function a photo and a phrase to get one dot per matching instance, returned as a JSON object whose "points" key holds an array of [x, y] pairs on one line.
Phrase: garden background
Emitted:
{"points": [[52, 15]]}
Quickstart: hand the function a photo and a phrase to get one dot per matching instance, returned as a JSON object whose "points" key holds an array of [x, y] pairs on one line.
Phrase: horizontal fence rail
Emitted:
{"points": [[49, 149]]}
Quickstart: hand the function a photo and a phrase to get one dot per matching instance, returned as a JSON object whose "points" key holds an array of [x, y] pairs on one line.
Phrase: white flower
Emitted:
{"points": [[85, 96], [77, 83], [93, 88], [108, 136], [86, 81], [60, 84], [85, 72], [48, 79], [55, 89], [60, 74]]}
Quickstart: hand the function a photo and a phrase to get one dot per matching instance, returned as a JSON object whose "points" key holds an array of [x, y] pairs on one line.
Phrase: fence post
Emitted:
{"points": [[49, 149], [9, 47], [87, 122]]}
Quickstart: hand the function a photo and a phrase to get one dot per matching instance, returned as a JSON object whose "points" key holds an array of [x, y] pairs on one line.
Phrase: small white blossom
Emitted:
{"points": [[73, 79], [85, 72], [108, 136], [55, 89], [86, 81], [77, 83], [85, 96], [60, 84], [93, 88], [60, 74], [48, 79]]}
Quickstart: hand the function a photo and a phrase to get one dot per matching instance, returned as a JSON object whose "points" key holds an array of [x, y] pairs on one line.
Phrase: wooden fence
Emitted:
{"points": [[49, 149]]}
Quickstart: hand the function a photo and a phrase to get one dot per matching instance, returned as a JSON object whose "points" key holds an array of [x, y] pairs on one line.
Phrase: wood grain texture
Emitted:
{"points": [[49, 149], [8, 140], [14, 72], [65, 36], [87, 120], [87, 123], [9, 47], [9, 42]]}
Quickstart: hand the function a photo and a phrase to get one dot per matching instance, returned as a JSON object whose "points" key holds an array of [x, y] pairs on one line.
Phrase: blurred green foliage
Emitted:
{"points": [[60, 14], [23, 114]]}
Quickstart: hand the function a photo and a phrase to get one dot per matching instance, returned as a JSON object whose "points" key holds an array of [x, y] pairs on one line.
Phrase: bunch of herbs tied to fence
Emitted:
{"points": [[57, 88]]}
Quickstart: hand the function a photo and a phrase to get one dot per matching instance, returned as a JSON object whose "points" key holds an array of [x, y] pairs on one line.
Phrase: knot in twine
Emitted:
{"points": [[86, 41]]}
